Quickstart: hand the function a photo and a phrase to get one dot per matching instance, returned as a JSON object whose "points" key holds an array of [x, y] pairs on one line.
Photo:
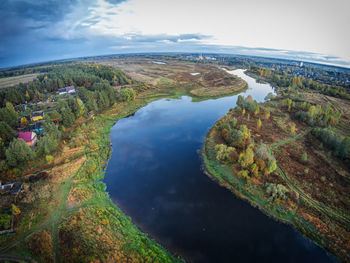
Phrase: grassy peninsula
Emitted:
{"points": [[289, 157]]}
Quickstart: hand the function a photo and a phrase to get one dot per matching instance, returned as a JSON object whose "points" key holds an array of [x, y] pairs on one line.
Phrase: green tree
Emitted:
{"points": [[127, 94], [46, 145], [91, 105], [81, 109], [54, 115], [6, 132], [68, 117], [9, 117], [18, 153], [240, 101], [343, 150]]}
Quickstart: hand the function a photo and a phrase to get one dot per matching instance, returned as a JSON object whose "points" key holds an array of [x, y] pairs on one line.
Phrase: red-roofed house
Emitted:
{"points": [[30, 138]]}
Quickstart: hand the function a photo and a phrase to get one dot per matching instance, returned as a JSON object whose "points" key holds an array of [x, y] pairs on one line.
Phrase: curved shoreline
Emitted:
{"points": [[217, 177]]}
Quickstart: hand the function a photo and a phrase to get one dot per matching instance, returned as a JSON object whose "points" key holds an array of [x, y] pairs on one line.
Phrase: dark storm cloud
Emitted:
{"points": [[29, 33], [21, 16]]}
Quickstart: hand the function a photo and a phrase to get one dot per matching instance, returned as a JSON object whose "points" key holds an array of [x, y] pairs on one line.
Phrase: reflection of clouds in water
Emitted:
{"points": [[171, 136], [131, 151]]}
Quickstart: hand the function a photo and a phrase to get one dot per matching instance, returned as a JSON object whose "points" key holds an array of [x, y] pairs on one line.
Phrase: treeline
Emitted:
{"points": [[283, 79], [314, 115], [340, 145]]}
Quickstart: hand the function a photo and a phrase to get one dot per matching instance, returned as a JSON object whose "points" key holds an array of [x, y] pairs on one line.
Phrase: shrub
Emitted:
{"points": [[224, 154], [276, 191], [243, 174], [49, 158], [127, 94], [272, 165]]}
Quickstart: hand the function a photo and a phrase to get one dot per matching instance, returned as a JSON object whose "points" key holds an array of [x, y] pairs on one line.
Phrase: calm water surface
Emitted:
{"points": [[154, 176]]}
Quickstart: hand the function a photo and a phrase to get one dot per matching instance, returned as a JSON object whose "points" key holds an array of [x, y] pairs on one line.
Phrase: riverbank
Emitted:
{"points": [[310, 210]]}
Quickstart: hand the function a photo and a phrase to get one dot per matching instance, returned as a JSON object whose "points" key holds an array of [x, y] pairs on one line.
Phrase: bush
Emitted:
{"points": [[276, 191], [49, 158], [127, 94], [272, 165], [224, 154]]}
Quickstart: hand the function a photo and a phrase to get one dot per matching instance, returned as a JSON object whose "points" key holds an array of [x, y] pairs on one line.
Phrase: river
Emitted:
{"points": [[155, 177]]}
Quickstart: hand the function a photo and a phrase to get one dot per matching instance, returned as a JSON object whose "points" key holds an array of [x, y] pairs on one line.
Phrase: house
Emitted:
{"points": [[70, 89], [62, 91], [66, 90], [37, 115], [10, 188], [30, 138]]}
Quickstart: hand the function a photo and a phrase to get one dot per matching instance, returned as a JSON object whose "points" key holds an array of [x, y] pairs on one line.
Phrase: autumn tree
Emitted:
{"points": [[246, 158], [292, 128]]}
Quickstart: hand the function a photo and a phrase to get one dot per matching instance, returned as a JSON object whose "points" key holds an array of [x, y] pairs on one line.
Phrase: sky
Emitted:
{"points": [[43, 30]]}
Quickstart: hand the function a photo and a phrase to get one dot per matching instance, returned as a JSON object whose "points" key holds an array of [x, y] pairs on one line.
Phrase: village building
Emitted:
{"points": [[66, 90], [30, 138], [37, 115]]}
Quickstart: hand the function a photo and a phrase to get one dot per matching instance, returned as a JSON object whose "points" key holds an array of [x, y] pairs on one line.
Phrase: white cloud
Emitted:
{"points": [[316, 26]]}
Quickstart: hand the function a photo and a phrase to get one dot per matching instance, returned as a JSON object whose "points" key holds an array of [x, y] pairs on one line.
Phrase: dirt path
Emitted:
{"points": [[344, 219]]}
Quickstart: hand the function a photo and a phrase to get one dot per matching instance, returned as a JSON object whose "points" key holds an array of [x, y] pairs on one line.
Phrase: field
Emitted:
{"points": [[317, 202], [13, 81], [198, 80]]}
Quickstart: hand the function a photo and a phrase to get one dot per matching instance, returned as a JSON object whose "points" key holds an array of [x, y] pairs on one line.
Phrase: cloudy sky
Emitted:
{"points": [[42, 30]]}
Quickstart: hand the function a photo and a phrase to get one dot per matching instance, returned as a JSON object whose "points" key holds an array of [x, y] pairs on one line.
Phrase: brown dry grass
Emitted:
{"points": [[66, 170]]}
